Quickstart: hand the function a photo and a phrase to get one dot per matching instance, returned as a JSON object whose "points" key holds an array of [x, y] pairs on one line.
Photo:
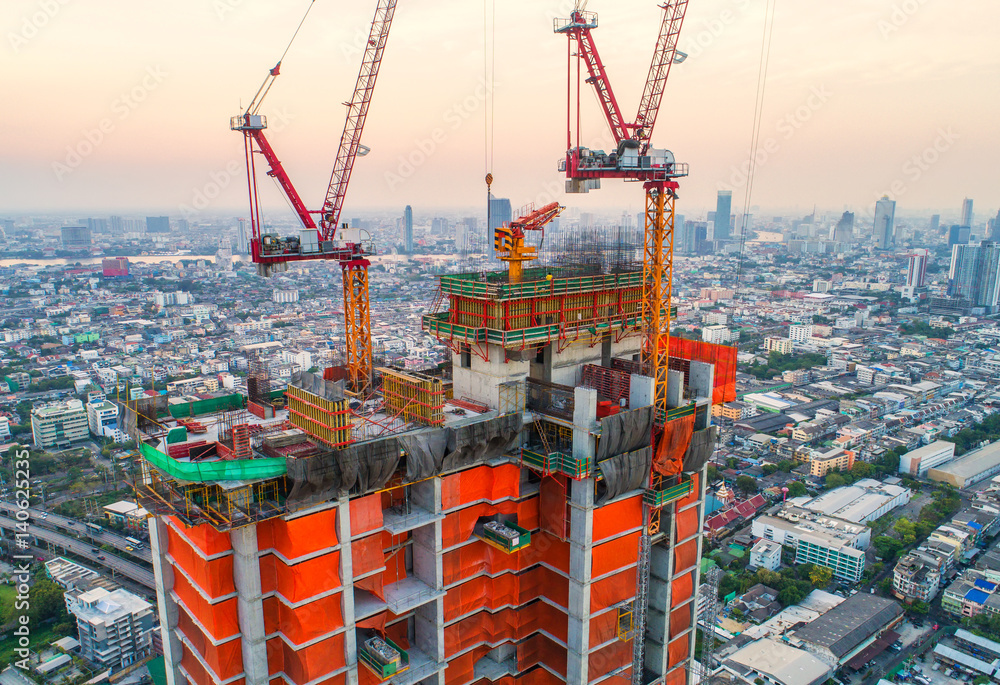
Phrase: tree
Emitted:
{"points": [[834, 480], [746, 484], [713, 473], [791, 595], [906, 530], [796, 488], [918, 608], [862, 470], [886, 547], [820, 576]]}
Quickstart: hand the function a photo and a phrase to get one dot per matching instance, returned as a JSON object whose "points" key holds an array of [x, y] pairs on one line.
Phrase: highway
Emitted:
{"points": [[129, 569], [56, 523]]}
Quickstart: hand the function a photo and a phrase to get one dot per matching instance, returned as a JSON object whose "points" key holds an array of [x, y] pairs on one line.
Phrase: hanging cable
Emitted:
{"points": [[265, 87], [765, 57]]}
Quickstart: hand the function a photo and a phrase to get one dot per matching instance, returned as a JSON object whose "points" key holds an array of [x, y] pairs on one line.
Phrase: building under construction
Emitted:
{"points": [[510, 523]]}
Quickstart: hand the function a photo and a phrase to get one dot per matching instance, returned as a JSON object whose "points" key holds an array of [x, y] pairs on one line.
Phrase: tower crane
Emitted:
{"points": [[318, 237]]}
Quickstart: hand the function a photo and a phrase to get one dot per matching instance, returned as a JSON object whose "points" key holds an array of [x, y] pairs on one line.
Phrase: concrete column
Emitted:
{"points": [[428, 566], [584, 421], [163, 574], [249, 603], [580, 565], [347, 582], [642, 391], [675, 388]]}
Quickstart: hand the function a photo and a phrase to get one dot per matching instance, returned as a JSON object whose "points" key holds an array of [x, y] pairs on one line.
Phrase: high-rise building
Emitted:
{"points": [[408, 229], [723, 215], [59, 424], [683, 235], [967, 213], [958, 235], [844, 232], [444, 549], [935, 224], [994, 228], [500, 214], [157, 224], [916, 274], [975, 274], [439, 225], [97, 226], [885, 227], [702, 245], [117, 225], [243, 236], [75, 238]]}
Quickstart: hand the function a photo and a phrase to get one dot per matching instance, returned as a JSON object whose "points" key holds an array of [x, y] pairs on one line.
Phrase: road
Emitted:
{"points": [[129, 569], [56, 523]]}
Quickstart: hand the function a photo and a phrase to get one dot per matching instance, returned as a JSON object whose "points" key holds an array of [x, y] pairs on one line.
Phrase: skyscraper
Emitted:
{"points": [[967, 212], [844, 233], [723, 215], [75, 238], [157, 224], [916, 274], [935, 224], [958, 235], [117, 226], [994, 227], [243, 236], [408, 229], [975, 274], [885, 217]]}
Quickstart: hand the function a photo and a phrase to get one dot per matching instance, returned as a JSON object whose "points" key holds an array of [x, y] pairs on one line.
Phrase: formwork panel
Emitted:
{"points": [[415, 397], [326, 420]]}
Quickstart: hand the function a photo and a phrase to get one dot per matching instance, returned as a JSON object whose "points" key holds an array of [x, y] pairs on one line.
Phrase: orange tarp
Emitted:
{"points": [[613, 555], [603, 627], [681, 589], [306, 622], [225, 660], [483, 482], [673, 444], [366, 514], [207, 539], [695, 492], [722, 357], [680, 619], [457, 527], [537, 676], [506, 625], [300, 536], [300, 581], [194, 668], [497, 593], [685, 555], [539, 649], [677, 651], [220, 620], [312, 662], [687, 523], [461, 669], [367, 555], [553, 507], [214, 577], [612, 519], [609, 658], [613, 589]]}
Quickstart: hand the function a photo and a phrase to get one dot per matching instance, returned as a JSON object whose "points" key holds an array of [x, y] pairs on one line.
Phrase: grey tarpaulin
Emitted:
{"points": [[310, 382], [424, 452], [625, 432], [356, 468], [700, 449], [625, 472], [481, 441]]}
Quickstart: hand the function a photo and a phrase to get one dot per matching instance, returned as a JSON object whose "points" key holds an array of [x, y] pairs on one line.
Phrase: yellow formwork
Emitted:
{"points": [[326, 420], [416, 397]]}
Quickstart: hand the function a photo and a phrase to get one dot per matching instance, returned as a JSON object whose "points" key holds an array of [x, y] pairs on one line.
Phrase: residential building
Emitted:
{"points": [[916, 272], [115, 628], [885, 228], [779, 345], [157, 224], [967, 212], [285, 296], [408, 229], [917, 576], [765, 554], [723, 215], [716, 335], [844, 232], [59, 424], [919, 461], [799, 333], [4, 429], [975, 274], [102, 416], [834, 460]]}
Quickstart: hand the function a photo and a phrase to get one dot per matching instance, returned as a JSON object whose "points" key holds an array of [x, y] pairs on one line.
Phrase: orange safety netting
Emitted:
{"points": [[303, 623], [204, 537], [224, 660], [603, 627], [722, 357], [536, 676], [677, 651], [609, 658], [681, 589], [612, 519], [695, 495], [457, 527], [614, 554], [461, 669], [397, 630], [301, 581], [366, 514], [503, 591], [300, 536], [478, 557], [612, 590], [539, 649], [553, 506], [672, 444], [395, 557], [483, 482], [506, 625], [214, 577], [196, 672], [685, 555], [687, 523], [676, 677], [220, 620], [312, 662], [367, 555], [680, 620]]}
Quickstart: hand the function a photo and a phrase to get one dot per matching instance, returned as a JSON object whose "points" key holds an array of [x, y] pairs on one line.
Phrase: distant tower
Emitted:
{"points": [[994, 231], [844, 233], [967, 212], [157, 224], [885, 217], [408, 229], [243, 237], [916, 274], [935, 224], [958, 235], [723, 215]]}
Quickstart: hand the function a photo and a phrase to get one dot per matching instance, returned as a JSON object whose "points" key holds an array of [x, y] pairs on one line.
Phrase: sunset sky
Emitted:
{"points": [[856, 90]]}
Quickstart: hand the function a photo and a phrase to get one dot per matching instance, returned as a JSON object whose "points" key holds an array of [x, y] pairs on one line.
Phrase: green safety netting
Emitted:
{"points": [[214, 471]]}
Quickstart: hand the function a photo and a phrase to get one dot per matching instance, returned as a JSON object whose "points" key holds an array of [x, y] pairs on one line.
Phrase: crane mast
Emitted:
{"points": [[271, 252]]}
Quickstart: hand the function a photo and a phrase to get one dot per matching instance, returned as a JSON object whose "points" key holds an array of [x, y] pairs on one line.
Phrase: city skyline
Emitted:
{"points": [[166, 110]]}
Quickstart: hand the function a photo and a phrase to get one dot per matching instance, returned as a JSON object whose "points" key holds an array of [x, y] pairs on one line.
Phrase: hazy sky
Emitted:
{"points": [[857, 90]]}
